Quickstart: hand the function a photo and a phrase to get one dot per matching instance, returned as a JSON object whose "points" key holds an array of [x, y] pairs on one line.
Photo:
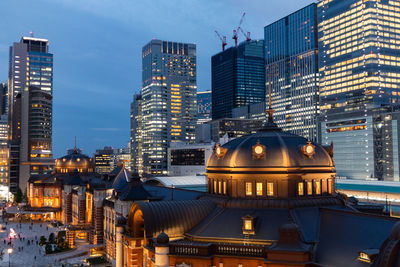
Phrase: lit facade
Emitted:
{"points": [[204, 108], [4, 150], [366, 143], [30, 83], [168, 100], [359, 63], [137, 134], [291, 58], [237, 78], [102, 160], [233, 128]]}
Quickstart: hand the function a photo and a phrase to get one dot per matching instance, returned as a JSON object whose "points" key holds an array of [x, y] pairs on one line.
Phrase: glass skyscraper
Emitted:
{"points": [[169, 110], [291, 58], [30, 110], [238, 78], [203, 107], [359, 54]]}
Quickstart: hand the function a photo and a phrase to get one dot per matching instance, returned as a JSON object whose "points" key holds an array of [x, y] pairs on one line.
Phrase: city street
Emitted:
{"points": [[32, 254]]}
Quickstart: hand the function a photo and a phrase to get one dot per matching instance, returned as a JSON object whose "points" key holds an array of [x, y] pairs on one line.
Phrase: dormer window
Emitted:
{"points": [[249, 189], [309, 188], [300, 188], [248, 225], [270, 189]]}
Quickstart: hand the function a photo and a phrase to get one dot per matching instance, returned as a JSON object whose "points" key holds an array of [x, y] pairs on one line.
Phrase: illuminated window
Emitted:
{"points": [[309, 188], [318, 188], [270, 189], [224, 188], [219, 187], [259, 191], [301, 189], [329, 182], [249, 189], [215, 186], [248, 224]]}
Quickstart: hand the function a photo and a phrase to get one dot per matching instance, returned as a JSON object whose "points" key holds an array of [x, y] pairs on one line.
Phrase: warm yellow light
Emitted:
{"points": [[248, 225], [258, 150], [310, 149], [218, 150]]}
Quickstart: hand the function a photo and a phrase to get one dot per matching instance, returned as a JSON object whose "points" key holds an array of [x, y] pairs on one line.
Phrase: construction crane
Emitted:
{"points": [[246, 35], [223, 40], [235, 32]]}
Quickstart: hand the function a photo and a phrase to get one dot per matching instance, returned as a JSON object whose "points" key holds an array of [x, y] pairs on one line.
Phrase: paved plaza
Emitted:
{"points": [[32, 255]]}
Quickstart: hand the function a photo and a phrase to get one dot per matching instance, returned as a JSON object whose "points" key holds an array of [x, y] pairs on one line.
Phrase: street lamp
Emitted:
{"points": [[9, 251]]}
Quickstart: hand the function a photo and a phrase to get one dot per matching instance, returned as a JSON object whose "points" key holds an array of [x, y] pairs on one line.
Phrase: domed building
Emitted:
{"points": [[271, 201], [74, 162]]}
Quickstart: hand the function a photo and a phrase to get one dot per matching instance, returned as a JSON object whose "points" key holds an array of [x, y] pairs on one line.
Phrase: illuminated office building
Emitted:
{"points": [[237, 78], [203, 107], [291, 58], [359, 59], [102, 160], [168, 100], [136, 134], [30, 110], [4, 150]]}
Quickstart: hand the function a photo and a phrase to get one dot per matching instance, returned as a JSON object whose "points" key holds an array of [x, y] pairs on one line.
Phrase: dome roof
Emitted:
{"points": [[162, 239], [276, 149], [75, 160]]}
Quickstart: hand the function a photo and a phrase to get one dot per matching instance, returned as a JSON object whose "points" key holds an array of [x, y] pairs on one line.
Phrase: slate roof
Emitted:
{"points": [[173, 217]]}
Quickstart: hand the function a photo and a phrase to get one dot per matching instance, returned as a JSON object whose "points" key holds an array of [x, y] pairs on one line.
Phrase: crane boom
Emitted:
{"points": [[235, 32], [223, 40]]}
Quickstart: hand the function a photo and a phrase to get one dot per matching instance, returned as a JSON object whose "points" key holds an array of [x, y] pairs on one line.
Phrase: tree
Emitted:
{"points": [[18, 196], [48, 249], [42, 240], [61, 237], [52, 239]]}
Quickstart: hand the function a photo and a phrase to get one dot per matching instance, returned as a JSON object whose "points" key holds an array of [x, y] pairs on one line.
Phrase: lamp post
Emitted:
{"points": [[9, 251]]}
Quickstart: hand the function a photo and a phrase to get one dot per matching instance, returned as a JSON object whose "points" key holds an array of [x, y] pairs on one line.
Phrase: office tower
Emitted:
{"points": [[168, 100], [291, 58], [4, 150], [366, 144], [3, 98], [102, 160], [30, 110], [255, 111], [233, 128], [238, 78], [203, 107], [121, 156], [136, 134], [359, 55]]}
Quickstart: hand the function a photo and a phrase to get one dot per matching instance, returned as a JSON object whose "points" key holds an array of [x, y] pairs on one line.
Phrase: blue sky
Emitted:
{"points": [[97, 52]]}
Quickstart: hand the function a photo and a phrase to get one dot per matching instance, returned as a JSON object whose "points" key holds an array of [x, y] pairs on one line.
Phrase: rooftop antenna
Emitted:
{"points": [[75, 149]]}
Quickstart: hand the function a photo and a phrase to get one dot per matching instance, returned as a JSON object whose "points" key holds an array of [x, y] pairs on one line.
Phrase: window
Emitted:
{"points": [[248, 224], [318, 188], [249, 189], [309, 188], [270, 189], [219, 187], [329, 182], [301, 189], [259, 188], [224, 187], [215, 186]]}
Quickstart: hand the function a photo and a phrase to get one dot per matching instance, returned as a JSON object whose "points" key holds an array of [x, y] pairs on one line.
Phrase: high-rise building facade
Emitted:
{"points": [[291, 58], [237, 78], [30, 110], [136, 134], [359, 55], [168, 100], [203, 107], [102, 160]]}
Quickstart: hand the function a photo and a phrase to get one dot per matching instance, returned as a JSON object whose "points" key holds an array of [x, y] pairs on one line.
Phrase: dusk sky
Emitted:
{"points": [[97, 52]]}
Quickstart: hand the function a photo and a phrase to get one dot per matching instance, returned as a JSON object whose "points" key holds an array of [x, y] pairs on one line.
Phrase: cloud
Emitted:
{"points": [[107, 129]]}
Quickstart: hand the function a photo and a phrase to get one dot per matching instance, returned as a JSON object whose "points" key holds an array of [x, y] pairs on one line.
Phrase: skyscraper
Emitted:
{"points": [[137, 134], [203, 106], [238, 78], [291, 58], [359, 55], [30, 110], [168, 100], [359, 77]]}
